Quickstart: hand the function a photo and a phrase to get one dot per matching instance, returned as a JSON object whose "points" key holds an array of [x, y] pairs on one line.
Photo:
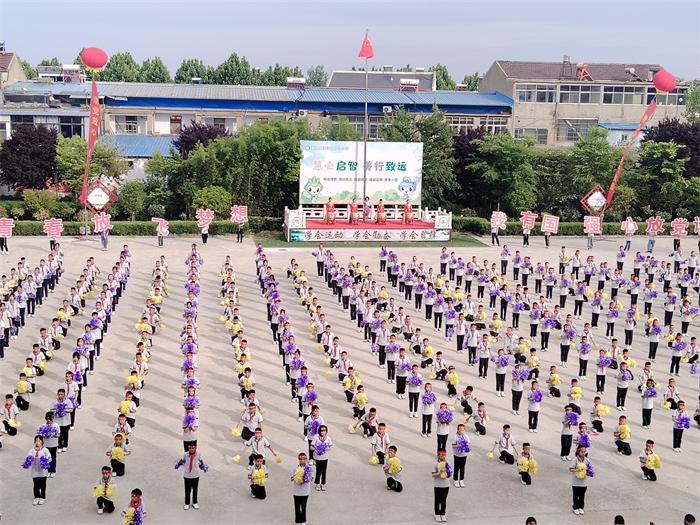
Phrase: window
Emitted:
{"points": [[494, 125], [460, 123], [175, 124], [358, 122], [535, 92], [131, 124], [70, 126], [539, 134], [18, 120], [3, 131], [623, 94], [220, 123], [571, 129], [674, 98], [579, 94]]}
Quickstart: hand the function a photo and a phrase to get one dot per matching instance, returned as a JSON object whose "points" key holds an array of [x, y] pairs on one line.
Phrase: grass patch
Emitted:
{"points": [[276, 239]]}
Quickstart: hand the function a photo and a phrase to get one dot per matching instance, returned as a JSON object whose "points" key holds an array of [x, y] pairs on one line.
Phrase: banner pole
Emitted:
{"points": [[364, 141]]}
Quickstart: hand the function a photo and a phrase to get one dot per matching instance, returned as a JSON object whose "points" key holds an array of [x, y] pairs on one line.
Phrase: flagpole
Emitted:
{"points": [[364, 141]]}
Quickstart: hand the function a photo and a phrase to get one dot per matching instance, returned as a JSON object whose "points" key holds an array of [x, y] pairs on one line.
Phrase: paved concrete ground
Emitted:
{"points": [[356, 491]]}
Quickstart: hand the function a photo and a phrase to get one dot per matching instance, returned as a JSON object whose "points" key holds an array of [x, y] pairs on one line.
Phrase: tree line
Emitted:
{"points": [[471, 173]]}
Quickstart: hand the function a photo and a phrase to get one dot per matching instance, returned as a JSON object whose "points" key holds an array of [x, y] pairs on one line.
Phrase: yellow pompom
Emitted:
{"points": [[670, 338], [498, 324], [589, 292], [14, 423], [493, 340], [28, 371], [22, 387], [624, 431], [532, 362], [58, 336], [581, 470], [132, 380], [236, 458], [299, 476], [258, 477], [428, 352], [373, 460], [327, 361], [125, 407], [117, 454], [523, 465], [576, 392], [453, 379], [632, 363], [605, 295], [42, 366], [319, 346], [129, 516], [236, 432], [248, 383], [329, 373], [533, 466], [603, 410], [433, 375], [352, 429], [554, 379], [394, 465], [442, 469], [667, 405], [490, 456], [278, 459], [49, 354], [222, 318], [685, 359], [361, 399], [482, 315]]}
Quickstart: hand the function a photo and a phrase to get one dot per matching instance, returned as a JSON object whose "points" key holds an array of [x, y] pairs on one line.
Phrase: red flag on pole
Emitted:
{"points": [[92, 137], [366, 50]]}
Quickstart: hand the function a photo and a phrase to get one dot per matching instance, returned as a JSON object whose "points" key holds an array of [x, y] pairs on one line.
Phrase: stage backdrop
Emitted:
{"points": [[334, 169]]}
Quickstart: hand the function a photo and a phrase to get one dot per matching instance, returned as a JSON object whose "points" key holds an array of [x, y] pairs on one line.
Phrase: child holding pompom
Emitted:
{"points": [[50, 432], [460, 448], [443, 419], [301, 487], [104, 491], [506, 446], [392, 470], [117, 454], [648, 395], [681, 421], [258, 477], [441, 483], [134, 513], [649, 461], [553, 382], [622, 437], [427, 410], [583, 438], [321, 446], [527, 466], [581, 470], [38, 459], [480, 419], [568, 424]]}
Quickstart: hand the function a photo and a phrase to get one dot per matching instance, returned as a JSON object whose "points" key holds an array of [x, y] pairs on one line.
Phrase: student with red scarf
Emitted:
{"points": [[193, 465]]}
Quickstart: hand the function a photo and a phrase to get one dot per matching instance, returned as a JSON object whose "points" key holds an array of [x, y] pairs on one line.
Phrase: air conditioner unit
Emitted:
{"points": [[302, 112], [387, 109]]}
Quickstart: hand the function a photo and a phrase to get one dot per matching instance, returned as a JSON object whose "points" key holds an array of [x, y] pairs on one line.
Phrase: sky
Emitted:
{"points": [[465, 35]]}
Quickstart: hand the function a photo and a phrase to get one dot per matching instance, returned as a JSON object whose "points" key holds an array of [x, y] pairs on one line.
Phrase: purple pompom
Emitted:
{"points": [[537, 396], [463, 446], [584, 440], [415, 380], [444, 416], [649, 392], [28, 462], [189, 421], [320, 448], [429, 398], [571, 418], [314, 426]]}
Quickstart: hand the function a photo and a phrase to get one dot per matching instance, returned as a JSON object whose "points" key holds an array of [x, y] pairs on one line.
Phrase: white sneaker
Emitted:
{"points": [[52, 474], [576, 512], [580, 511], [41, 501], [437, 518], [100, 511], [186, 507], [36, 501]]}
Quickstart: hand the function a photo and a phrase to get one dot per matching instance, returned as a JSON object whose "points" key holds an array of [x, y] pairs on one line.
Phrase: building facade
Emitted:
{"points": [[559, 103]]}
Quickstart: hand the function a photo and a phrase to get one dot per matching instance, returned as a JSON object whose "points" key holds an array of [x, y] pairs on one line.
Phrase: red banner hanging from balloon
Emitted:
{"points": [[92, 137]]}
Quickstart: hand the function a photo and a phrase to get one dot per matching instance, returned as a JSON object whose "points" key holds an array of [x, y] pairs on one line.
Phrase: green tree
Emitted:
{"points": [[505, 163], [443, 80], [234, 70], [132, 197], [28, 159], [41, 203], [154, 71], [193, 68], [214, 198], [71, 154], [316, 76], [50, 62], [660, 179], [29, 71], [121, 68], [556, 193], [405, 69], [471, 81], [692, 102], [158, 195], [592, 160], [472, 186]]}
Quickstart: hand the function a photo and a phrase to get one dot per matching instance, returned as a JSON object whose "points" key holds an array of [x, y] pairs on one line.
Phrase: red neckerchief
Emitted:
{"points": [[192, 456]]}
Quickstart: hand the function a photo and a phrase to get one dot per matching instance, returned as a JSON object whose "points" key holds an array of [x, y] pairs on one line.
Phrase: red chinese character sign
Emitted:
{"points": [[527, 219], [239, 214], [100, 197], [499, 220], [161, 226], [6, 226], [204, 217], [679, 227], [629, 226], [592, 224], [53, 227], [550, 223], [696, 225], [655, 225], [102, 222]]}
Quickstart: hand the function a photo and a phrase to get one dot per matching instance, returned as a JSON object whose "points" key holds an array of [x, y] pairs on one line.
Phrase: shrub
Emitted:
{"points": [[38, 200], [17, 212], [214, 198]]}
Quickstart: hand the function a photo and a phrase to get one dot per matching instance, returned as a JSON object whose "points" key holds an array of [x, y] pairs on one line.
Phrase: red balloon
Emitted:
{"points": [[94, 57], [664, 81]]}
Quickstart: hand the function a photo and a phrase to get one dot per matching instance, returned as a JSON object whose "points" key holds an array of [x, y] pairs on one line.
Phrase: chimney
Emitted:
{"points": [[2, 46], [566, 59], [420, 70], [388, 69], [196, 80]]}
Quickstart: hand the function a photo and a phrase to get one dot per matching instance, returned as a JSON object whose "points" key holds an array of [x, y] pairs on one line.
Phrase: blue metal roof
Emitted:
{"points": [[265, 97], [619, 126], [139, 146]]}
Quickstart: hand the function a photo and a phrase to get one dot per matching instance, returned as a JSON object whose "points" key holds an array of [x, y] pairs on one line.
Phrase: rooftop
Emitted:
{"points": [[121, 92], [387, 80], [5, 60], [139, 146], [599, 72]]}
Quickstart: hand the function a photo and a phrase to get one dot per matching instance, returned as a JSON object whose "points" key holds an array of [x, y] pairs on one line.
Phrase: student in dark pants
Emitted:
{"points": [[301, 488], [441, 485], [193, 465], [105, 487], [239, 232]]}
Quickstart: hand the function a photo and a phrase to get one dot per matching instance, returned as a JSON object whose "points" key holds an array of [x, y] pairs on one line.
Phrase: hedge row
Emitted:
{"points": [[135, 228]]}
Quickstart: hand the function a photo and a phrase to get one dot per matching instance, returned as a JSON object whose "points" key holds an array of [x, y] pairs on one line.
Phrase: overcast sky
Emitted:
{"points": [[466, 35]]}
